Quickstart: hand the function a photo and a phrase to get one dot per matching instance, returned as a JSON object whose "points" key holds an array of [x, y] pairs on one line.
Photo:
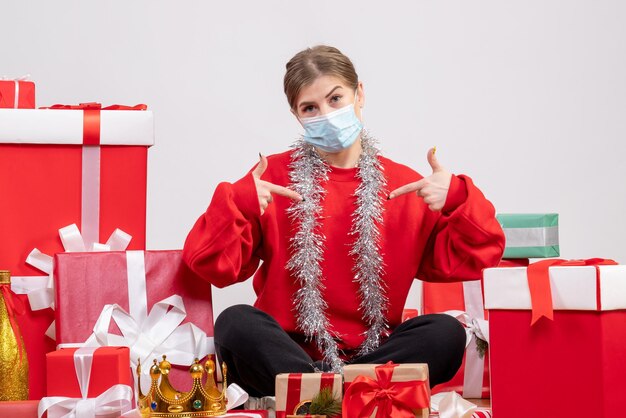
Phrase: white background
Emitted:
{"points": [[527, 97]]}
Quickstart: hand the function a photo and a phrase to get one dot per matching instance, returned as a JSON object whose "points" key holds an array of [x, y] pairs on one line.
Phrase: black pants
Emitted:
{"points": [[256, 348]]}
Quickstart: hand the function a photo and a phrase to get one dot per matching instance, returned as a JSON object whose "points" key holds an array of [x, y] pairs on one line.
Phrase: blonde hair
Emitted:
{"points": [[311, 63]]}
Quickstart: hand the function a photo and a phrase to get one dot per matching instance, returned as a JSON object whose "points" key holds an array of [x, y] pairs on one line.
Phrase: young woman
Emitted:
{"points": [[334, 234]]}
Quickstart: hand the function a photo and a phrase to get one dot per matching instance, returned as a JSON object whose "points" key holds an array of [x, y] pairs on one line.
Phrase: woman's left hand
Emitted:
{"points": [[433, 189]]}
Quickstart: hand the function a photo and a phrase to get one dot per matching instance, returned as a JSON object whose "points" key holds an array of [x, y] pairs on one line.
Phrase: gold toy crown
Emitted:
{"points": [[162, 400]]}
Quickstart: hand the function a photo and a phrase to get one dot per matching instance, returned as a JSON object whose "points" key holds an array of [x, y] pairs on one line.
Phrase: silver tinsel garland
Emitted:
{"points": [[368, 267], [308, 173]]}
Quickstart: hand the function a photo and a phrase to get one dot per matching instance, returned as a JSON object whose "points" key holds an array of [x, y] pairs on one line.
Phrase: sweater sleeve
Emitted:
{"points": [[466, 237], [221, 246]]}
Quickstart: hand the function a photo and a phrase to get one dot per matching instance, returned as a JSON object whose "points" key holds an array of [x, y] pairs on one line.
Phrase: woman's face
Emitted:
{"points": [[327, 94]]}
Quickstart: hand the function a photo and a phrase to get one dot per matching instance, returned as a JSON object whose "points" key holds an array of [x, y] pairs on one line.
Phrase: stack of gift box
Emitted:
{"points": [[73, 221], [100, 311]]}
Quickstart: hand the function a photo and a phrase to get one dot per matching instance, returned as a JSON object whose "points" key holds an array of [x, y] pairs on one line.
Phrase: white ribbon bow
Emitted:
{"points": [[451, 405], [474, 327], [40, 289], [236, 396], [160, 333], [115, 400]]}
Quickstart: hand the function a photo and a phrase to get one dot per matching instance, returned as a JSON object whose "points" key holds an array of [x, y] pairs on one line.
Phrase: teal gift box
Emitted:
{"points": [[530, 235]]}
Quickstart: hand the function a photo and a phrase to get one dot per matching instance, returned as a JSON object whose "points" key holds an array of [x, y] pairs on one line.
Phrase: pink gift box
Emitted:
{"points": [[86, 282]]}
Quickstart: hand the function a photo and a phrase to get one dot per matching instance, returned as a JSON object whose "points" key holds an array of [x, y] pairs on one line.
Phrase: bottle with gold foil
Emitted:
{"points": [[13, 360]]}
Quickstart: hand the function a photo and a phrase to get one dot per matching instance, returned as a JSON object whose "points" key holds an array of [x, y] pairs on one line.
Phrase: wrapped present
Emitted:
{"points": [[50, 179], [389, 390], [40, 289], [17, 94], [530, 235], [557, 329], [88, 382], [19, 409], [148, 301], [295, 389], [464, 301]]}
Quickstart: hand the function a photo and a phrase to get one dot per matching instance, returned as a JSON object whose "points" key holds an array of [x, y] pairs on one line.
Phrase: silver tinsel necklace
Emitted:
{"points": [[308, 174]]}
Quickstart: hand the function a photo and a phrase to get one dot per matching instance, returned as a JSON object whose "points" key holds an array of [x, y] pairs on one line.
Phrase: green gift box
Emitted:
{"points": [[530, 235]]}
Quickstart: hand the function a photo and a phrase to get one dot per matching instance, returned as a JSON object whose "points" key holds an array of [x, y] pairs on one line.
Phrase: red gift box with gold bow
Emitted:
{"points": [[86, 165], [556, 330], [387, 390]]}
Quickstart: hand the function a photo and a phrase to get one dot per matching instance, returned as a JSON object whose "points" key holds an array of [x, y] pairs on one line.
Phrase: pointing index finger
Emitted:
{"points": [[407, 188], [283, 191]]}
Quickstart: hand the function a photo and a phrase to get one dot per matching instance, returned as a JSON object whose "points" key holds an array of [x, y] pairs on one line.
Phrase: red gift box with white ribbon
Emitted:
{"points": [[464, 301], [18, 93], [557, 331], [294, 388], [148, 301], [58, 167], [88, 382]]}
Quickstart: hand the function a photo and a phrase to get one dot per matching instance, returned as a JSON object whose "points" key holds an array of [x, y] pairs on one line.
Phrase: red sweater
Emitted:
{"points": [[231, 239]]}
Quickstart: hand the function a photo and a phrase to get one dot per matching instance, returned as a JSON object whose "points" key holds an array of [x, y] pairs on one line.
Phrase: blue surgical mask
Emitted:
{"points": [[334, 131]]}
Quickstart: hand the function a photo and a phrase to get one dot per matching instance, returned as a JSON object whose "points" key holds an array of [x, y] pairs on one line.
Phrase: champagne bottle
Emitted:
{"points": [[13, 360]]}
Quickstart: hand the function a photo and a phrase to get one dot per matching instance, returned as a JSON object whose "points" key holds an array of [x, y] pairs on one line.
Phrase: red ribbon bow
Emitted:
{"points": [[91, 118], [14, 307], [539, 283], [393, 399]]}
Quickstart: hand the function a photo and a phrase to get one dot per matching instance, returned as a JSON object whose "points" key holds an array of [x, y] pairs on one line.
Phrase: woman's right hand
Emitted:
{"points": [[264, 189]]}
